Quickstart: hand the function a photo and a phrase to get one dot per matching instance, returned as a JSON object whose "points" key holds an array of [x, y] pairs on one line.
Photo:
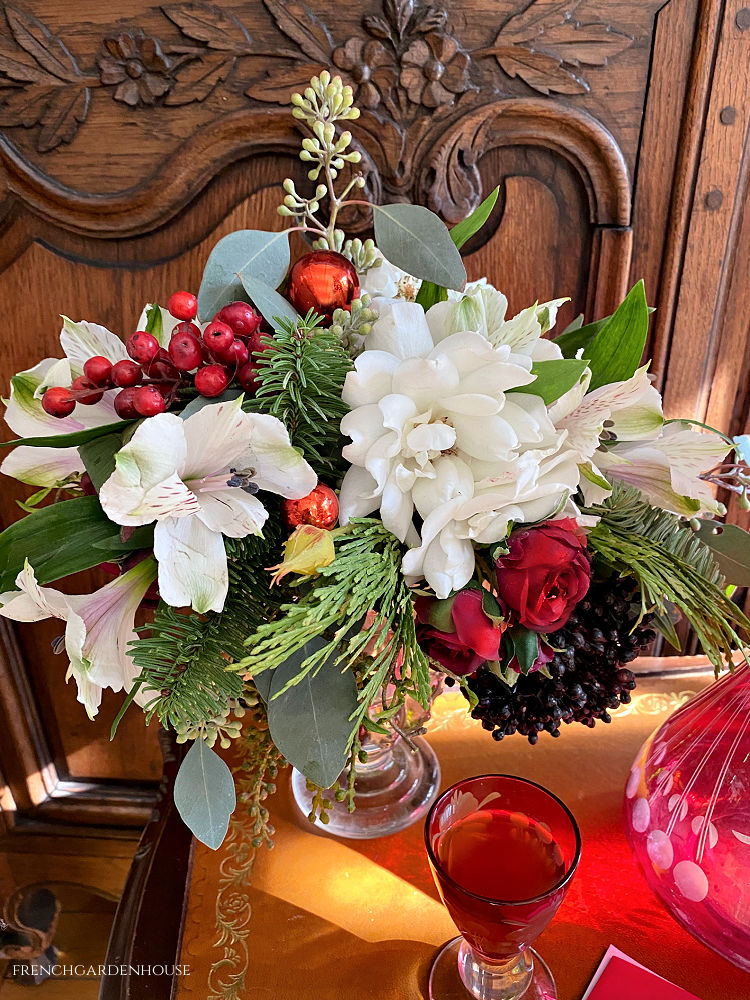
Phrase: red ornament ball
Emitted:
{"points": [[321, 508], [324, 281]]}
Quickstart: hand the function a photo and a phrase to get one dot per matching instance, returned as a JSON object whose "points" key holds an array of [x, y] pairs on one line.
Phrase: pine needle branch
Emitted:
{"points": [[671, 564]]}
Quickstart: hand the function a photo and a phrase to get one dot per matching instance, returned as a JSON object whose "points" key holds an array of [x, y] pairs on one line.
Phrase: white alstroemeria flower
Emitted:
{"points": [[482, 309], [621, 411], [98, 628], [476, 501], [412, 401], [26, 418], [667, 467], [385, 281], [197, 478]]}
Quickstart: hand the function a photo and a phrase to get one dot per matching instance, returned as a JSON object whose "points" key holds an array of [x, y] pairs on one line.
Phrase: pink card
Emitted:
{"points": [[620, 977]]}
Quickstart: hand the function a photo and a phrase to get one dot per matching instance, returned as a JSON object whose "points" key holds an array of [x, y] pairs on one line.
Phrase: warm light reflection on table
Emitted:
{"points": [[333, 919]]}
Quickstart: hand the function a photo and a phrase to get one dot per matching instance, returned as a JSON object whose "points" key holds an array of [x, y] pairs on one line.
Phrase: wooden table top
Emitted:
{"points": [[328, 919]]}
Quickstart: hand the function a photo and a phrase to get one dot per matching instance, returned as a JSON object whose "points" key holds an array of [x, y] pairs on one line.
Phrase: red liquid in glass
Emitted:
{"points": [[501, 855]]}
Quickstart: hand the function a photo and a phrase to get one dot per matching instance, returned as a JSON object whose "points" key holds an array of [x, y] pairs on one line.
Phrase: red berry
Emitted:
{"points": [[126, 374], [242, 318], [246, 376], [142, 347], [183, 305], [211, 380], [125, 403], [236, 354], [98, 370], [58, 401], [185, 351], [190, 328], [218, 337], [148, 401], [163, 371], [79, 387]]}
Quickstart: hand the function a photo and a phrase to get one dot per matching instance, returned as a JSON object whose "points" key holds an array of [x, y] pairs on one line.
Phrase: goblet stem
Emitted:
{"points": [[487, 980]]}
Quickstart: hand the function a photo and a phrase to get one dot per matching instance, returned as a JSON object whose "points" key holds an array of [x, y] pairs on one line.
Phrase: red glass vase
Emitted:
{"points": [[687, 815]]}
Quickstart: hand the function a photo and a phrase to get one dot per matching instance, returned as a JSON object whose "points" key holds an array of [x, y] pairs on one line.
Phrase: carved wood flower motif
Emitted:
{"points": [[369, 65], [135, 64], [434, 70]]}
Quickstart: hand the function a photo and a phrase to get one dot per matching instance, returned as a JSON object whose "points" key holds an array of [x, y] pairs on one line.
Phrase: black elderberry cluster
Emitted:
{"points": [[587, 673]]}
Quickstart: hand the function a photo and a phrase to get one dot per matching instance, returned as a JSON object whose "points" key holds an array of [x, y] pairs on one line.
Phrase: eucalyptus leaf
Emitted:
{"points": [[615, 353], [58, 540], [245, 253], [72, 440], [309, 722], [263, 683], [465, 229], [730, 546], [414, 239], [98, 457], [268, 302], [204, 794], [553, 378]]}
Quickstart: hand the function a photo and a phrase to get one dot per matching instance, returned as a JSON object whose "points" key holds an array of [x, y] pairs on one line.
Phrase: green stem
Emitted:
{"points": [[699, 423]]}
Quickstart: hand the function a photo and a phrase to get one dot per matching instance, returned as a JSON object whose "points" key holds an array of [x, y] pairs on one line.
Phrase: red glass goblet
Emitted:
{"points": [[502, 851]]}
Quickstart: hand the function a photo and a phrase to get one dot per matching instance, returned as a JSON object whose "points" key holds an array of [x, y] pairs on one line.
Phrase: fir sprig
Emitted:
{"points": [[365, 576], [671, 564], [184, 656], [301, 380]]}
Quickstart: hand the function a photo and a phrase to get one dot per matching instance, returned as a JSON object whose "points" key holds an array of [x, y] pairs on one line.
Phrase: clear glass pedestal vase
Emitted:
{"points": [[687, 815], [393, 789]]}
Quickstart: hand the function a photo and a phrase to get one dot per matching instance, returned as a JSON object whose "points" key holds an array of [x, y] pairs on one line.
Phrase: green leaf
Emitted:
{"points": [[587, 472], [573, 338], [416, 240], [553, 378], [465, 229], [139, 538], [58, 540], [268, 302], [524, 645], [204, 794], [247, 253], [430, 294], [72, 440], [615, 352], [309, 721], [154, 322], [730, 546], [200, 401], [98, 456], [491, 607]]}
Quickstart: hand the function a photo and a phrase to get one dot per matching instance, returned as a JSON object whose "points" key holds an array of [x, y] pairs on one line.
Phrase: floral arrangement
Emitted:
{"points": [[326, 489]]}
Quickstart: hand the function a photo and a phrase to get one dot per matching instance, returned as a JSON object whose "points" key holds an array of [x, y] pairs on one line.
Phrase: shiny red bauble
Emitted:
{"points": [[58, 401], [183, 305], [321, 508], [324, 281]]}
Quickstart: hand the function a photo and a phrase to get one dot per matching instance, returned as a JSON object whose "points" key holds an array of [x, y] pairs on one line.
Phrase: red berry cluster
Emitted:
{"points": [[150, 383]]}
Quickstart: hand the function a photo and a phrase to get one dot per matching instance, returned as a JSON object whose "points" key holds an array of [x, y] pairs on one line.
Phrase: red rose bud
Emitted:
{"points": [[545, 574], [456, 632]]}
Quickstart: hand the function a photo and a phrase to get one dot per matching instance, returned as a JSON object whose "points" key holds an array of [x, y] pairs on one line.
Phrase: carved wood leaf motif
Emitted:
{"points": [[412, 76]]}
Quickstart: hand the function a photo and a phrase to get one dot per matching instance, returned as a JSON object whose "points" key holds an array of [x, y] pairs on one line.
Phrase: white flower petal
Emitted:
{"points": [[279, 468], [371, 379], [42, 466], [57, 374], [84, 340], [192, 564], [358, 496], [232, 512], [216, 437], [26, 418], [155, 454], [400, 329]]}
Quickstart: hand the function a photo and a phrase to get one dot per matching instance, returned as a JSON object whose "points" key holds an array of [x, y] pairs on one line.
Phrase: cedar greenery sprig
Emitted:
{"points": [[671, 564], [365, 576], [301, 380]]}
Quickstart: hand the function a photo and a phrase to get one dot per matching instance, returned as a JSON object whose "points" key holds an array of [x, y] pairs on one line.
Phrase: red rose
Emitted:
{"points": [[545, 574], [465, 638]]}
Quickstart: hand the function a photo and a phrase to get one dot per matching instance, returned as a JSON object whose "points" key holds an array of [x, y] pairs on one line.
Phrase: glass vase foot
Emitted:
{"points": [[394, 788], [451, 970]]}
